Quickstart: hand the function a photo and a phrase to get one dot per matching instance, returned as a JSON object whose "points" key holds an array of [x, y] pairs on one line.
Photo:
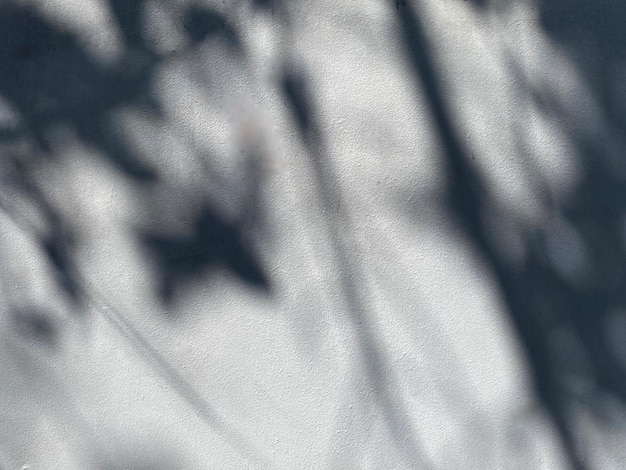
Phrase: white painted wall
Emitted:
{"points": [[384, 339]]}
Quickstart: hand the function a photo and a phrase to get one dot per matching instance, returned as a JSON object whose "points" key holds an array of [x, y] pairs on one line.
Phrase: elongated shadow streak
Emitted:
{"points": [[394, 412], [468, 200], [184, 389]]}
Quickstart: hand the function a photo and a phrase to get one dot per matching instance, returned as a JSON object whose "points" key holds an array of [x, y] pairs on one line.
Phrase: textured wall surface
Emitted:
{"points": [[325, 235]]}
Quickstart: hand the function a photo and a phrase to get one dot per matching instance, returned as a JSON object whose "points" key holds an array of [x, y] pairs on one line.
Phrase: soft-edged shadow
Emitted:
{"points": [[561, 297], [56, 89], [215, 242], [53, 81], [351, 279]]}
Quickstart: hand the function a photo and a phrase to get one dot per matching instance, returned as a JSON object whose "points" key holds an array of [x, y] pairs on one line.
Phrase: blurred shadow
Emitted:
{"points": [[204, 23], [467, 200], [49, 81], [128, 15], [57, 239], [351, 280], [294, 85], [52, 81], [35, 326], [573, 277], [215, 241], [270, 5]]}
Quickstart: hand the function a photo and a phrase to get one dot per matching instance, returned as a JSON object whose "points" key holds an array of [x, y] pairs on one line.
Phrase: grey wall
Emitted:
{"points": [[281, 234]]}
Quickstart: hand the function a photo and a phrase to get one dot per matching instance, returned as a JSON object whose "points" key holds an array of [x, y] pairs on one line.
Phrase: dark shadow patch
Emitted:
{"points": [[203, 24], [560, 310], [270, 5], [479, 3], [128, 14], [51, 81], [294, 89], [35, 326], [215, 242], [60, 247]]}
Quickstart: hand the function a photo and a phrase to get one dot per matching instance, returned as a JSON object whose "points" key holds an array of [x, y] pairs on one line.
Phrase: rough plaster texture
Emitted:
{"points": [[366, 329]]}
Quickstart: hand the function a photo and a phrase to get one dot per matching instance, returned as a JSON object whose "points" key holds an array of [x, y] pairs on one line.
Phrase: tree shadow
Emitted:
{"points": [[51, 81], [562, 296], [214, 242], [351, 281], [204, 23]]}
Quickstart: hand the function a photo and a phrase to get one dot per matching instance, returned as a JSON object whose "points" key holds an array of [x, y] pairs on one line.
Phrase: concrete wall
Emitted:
{"points": [[283, 234]]}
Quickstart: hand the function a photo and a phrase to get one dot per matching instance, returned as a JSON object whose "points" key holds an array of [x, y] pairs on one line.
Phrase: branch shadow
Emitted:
{"points": [[395, 415], [564, 297]]}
